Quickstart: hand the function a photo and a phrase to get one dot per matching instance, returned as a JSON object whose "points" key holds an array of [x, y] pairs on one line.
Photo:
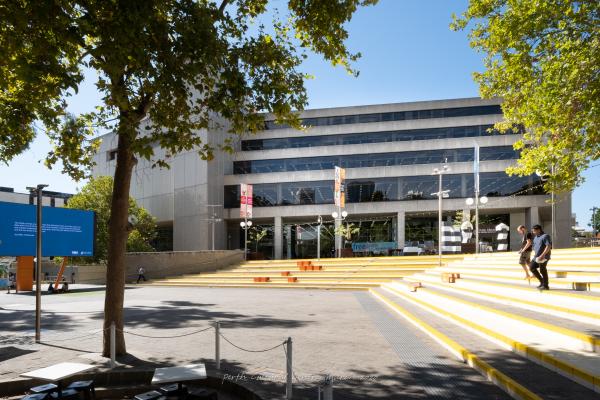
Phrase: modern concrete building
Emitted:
{"points": [[389, 152], [50, 198]]}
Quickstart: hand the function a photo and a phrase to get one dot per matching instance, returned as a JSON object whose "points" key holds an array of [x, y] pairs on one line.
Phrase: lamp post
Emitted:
{"points": [[470, 201], [245, 224], [38, 190], [320, 223], [339, 217], [440, 194]]}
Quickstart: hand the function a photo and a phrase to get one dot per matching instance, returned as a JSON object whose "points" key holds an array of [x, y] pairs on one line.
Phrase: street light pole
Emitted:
{"points": [[440, 194], [38, 190], [320, 222]]}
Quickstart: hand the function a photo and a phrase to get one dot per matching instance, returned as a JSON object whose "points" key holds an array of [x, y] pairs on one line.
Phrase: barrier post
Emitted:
{"points": [[218, 344], [113, 345], [328, 389], [288, 386]]}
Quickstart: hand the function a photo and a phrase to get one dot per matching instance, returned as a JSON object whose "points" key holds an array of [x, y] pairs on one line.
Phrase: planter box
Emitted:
{"points": [[414, 286], [286, 273], [292, 279], [262, 279], [448, 278]]}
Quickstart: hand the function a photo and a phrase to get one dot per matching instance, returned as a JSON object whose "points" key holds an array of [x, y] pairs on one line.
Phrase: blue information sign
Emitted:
{"points": [[65, 232]]}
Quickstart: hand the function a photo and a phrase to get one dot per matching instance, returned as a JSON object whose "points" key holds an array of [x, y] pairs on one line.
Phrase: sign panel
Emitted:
{"points": [[338, 191], [65, 232], [245, 201]]}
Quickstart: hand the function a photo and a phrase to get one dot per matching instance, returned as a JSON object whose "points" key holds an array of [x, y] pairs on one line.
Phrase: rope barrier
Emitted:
{"points": [[73, 338], [251, 351], [165, 337]]}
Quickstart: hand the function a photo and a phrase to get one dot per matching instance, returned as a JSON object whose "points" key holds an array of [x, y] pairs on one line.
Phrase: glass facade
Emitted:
{"points": [[492, 184], [368, 137], [394, 116], [373, 160]]}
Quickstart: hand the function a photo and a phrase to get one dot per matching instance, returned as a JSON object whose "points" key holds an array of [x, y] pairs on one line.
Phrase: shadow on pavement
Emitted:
{"points": [[9, 352]]}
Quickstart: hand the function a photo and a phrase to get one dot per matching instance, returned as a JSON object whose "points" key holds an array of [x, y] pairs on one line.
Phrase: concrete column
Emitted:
{"points": [[466, 214], [338, 238], [533, 217], [400, 229], [278, 238], [515, 219], [563, 222]]}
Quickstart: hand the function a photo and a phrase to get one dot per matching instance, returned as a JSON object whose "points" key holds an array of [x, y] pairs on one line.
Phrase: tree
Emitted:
{"points": [[96, 196], [165, 69], [595, 220], [542, 59]]}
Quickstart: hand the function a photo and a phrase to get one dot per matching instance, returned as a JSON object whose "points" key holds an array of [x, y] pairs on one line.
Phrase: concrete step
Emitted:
{"points": [[554, 350], [587, 335], [517, 375], [517, 272], [262, 285], [554, 283], [373, 282], [525, 299]]}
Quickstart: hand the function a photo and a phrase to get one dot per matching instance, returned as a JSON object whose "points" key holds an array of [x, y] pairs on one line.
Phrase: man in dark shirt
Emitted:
{"points": [[525, 250], [542, 247]]}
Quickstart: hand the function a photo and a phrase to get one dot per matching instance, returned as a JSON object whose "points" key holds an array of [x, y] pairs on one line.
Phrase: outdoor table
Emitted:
{"points": [[178, 375], [57, 372]]}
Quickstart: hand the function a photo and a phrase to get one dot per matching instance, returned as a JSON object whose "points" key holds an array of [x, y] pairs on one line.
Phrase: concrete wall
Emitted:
{"points": [[157, 265], [163, 264]]}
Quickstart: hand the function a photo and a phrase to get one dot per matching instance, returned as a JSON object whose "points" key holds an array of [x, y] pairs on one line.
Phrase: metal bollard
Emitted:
{"points": [[328, 389], [288, 385], [113, 345], [218, 344]]}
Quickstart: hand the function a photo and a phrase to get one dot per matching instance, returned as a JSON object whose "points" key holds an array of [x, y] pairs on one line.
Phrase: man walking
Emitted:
{"points": [[542, 246], [141, 272], [525, 251]]}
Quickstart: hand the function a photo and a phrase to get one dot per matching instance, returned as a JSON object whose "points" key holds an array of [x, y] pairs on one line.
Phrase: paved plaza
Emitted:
{"points": [[349, 335]]}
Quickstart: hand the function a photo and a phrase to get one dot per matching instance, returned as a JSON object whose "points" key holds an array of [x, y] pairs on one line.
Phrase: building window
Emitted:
{"points": [[394, 116], [111, 155]]}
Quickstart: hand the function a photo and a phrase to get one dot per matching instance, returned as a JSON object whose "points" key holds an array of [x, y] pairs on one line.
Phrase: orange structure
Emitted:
{"points": [[24, 273]]}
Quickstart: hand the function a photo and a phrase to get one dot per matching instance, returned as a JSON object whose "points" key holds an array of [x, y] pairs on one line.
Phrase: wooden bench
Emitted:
{"points": [[413, 286], [582, 286], [286, 273], [262, 279], [450, 277], [292, 279]]}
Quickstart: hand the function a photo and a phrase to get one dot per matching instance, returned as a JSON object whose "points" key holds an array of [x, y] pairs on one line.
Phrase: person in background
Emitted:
{"points": [[141, 272], [12, 282], [542, 247], [525, 250]]}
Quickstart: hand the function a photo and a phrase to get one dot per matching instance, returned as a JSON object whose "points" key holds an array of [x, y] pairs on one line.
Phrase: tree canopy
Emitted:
{"points": [[167, 69], [96, 196], [542, 58]]}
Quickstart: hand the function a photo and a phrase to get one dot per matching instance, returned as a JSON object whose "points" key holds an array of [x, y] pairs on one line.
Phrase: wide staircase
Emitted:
{"points": [[534, 344], [360, 273]]}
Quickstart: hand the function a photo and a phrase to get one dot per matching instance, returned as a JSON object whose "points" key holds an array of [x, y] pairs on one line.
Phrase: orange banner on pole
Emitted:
{"points": [[339, 189]]}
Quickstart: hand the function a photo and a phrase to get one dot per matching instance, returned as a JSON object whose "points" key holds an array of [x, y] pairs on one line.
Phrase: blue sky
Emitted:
{"points": [[408, 54]]}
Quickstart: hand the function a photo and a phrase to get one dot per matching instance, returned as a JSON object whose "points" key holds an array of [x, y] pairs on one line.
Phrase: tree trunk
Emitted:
{"points": [[117, 242]]}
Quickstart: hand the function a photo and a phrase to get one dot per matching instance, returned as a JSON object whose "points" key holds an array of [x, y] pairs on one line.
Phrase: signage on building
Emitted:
{"points": [[246, 201], [338, 192], [65, 232]]}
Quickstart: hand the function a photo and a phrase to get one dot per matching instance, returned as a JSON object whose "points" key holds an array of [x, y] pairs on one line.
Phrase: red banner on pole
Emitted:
{"points": [[245, 201]]}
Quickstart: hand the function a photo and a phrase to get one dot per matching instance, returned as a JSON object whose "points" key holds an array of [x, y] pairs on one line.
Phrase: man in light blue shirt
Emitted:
{"points": [[542, 247]]}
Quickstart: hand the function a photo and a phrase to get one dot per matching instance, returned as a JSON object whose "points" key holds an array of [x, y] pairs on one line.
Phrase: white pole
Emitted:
{"points": [[440, 221], [214, 221], [553, 200], [477, 221], [218, 344], [288, 385], [113, 345], [328, 389], [319, 240]]}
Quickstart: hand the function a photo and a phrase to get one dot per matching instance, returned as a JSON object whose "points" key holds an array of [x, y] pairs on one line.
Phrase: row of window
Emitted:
{"points": [[368, 137], [492, 184], [394, 116], [373, 160]]}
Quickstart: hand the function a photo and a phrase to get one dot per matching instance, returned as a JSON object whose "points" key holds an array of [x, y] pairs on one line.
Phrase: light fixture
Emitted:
{"points": [[470, 201], [334, 214], [483, 199], [344, 214], [249, 223], [242, 224]]}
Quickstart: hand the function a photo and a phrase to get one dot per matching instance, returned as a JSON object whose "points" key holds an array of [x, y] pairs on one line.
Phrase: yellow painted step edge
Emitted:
{"points": [[566, 310], [525, 288], [568, 369], [591, 340], [510, 386]]}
